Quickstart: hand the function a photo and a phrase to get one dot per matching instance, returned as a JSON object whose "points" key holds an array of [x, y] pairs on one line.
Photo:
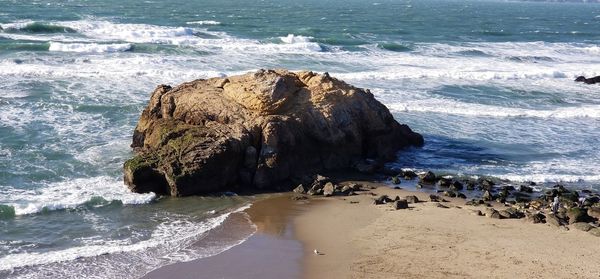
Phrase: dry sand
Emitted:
{"points": [[362, 240]]}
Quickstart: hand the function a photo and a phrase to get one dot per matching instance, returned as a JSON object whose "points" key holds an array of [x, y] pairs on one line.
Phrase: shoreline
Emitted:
{"points": [[357, 239]]}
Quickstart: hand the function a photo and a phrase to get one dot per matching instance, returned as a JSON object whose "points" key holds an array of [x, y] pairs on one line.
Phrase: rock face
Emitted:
{"points": [[257, 130]]}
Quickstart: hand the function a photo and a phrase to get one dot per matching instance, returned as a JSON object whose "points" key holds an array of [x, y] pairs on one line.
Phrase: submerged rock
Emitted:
{"points": [[257, 130], [427, 177], [409, 175]]}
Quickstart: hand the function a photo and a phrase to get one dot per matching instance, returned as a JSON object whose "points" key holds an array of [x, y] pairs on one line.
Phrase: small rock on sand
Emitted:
{"points": [[401, 204], [412, 199]]}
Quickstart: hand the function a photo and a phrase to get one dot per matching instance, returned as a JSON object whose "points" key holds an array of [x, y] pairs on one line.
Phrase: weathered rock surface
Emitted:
{"points": [[328, 189], [257, 130]]}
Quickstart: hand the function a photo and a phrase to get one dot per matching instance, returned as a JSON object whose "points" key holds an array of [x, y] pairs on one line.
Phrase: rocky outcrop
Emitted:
{"points": [[591, 80], [258, 130]]}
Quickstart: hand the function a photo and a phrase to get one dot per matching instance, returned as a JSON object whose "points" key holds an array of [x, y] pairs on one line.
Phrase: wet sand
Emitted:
{"points": [[272, 252]]}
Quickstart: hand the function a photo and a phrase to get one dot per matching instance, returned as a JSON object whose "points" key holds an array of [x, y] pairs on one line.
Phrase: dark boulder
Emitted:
{"points": [[536, 218], [525, 189], [383, 199], [434, 198], [428, 177], [577, 214], [409, 175], [450, 194], [401, 204], [471, 185], [412, 199], [346, 190], [592, 80], [456, 186], [492, 213], [486, 184], [444, 182]]}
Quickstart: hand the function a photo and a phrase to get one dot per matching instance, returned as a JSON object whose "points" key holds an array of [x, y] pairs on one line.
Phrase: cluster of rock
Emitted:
{"points": [[322, 185], [260, 130], [397, 202], [519, 202]]}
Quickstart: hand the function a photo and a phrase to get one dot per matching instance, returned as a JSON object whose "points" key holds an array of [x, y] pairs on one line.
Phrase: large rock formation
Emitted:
{"points": [[257, 130]]}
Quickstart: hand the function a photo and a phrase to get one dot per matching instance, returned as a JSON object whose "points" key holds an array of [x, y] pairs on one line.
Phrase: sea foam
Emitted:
{"points": [[70, 194], [447, 106], [169, 236], [88, 47], [203, 22]]}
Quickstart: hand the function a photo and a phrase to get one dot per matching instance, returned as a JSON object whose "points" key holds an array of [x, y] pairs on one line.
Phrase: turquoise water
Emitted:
{"points": [[488, 83]]}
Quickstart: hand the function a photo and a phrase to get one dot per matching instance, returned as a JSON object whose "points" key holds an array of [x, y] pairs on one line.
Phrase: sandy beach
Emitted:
{"points": [[362, 240], [357, 239]]}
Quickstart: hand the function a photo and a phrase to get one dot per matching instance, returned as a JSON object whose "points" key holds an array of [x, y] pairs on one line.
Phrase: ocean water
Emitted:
{"points": [[488, 83]]}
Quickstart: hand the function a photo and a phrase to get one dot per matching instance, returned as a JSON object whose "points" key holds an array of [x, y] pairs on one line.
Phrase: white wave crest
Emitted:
{"points": [[70, 194], [293, 39], [550, 178], [88, 47], [300, 42], [171, 235], [447, 106], [204, 22], [105, 32]]}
